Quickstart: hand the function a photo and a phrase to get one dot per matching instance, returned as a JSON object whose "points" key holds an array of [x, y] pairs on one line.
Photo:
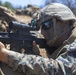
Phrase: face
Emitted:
{"points": [[50, 30], [46, 29]]}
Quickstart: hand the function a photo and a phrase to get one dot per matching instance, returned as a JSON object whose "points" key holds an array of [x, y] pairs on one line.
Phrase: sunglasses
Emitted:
{"points": [[47, 25]]}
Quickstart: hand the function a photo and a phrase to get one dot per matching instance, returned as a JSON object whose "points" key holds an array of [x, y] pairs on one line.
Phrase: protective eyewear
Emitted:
{"points": [[47, 25]]}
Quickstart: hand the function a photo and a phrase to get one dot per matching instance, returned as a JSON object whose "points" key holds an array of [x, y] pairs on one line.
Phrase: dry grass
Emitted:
{"points": [[24, 18]]}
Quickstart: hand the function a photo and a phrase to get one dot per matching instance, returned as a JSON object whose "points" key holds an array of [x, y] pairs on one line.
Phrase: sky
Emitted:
{"points": [[25, 2]]}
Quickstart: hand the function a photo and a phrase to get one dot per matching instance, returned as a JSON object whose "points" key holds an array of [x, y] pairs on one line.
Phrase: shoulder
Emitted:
{"points": [[71, 47]]}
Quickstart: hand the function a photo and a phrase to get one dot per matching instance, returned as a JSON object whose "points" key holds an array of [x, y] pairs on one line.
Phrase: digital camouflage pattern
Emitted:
{"points": [[56, 10], [65, 64]]}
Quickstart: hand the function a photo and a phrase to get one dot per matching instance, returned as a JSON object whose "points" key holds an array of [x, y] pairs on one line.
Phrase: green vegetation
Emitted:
{"points": [[70, 3], [8, 5]]}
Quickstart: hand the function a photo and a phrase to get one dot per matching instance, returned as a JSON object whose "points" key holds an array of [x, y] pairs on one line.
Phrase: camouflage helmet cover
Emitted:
{"points": [[57, 10]]}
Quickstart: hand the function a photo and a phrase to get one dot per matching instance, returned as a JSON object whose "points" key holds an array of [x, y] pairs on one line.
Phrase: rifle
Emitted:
{"points": [[21, 35]]}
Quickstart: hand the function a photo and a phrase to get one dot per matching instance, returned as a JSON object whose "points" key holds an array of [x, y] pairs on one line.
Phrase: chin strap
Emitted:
{"points": [[52, 41], [54, 26], [1, 72]]}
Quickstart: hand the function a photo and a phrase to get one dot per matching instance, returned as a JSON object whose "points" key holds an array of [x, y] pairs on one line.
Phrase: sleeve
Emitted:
{"points": [[32, 64], [35, 65]]}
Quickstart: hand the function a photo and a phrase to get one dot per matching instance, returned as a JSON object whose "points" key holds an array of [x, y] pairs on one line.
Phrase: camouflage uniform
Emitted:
{"points": [[6, 16], [64, 64]]}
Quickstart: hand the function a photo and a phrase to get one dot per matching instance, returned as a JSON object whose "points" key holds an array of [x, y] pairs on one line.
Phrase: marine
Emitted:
{"points": [[57, 24]]}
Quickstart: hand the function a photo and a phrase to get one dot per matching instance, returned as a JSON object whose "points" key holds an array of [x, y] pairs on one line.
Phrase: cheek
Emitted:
{"points": [[51, 33], [43, 32], [48, 34]]}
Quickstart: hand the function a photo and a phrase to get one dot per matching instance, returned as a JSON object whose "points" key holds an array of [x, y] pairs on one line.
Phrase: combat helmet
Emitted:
{"points": [[57, 10]]}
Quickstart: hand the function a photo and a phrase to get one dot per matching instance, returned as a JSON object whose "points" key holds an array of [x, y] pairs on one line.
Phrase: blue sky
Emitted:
{"points": [[25, 2]]}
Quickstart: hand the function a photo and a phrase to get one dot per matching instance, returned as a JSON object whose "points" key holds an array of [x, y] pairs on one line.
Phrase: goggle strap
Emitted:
{"points": [[54, 26]]}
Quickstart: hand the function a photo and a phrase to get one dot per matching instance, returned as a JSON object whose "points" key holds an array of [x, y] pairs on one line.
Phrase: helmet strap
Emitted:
{"points": [[54, 26], [51, 42]]}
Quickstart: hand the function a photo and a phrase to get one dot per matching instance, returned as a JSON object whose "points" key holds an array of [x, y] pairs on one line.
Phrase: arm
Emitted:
{"points": [[31, 64]]}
